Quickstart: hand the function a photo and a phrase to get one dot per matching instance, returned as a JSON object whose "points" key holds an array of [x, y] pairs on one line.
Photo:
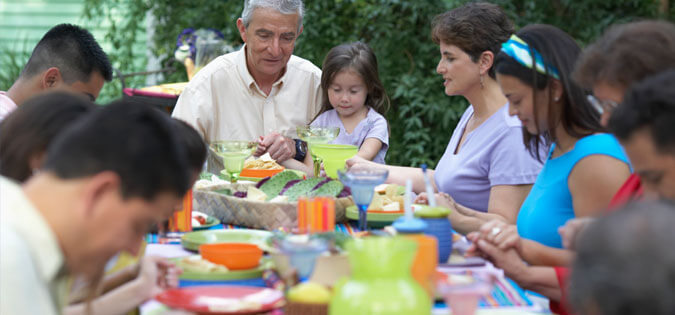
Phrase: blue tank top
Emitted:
{"points": [[549, 204]]}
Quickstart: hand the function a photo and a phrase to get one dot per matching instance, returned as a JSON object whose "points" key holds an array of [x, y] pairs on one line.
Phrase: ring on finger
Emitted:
{"points": [[495, 230]]}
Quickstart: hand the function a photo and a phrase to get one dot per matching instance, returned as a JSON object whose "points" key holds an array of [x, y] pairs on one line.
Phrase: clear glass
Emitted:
{"points": [[362, 182], [317, 135], [234, 153], [302, 252]]}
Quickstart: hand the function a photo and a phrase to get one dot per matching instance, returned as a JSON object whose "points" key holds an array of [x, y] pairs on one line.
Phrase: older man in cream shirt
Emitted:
{"points": [[261, 92]]}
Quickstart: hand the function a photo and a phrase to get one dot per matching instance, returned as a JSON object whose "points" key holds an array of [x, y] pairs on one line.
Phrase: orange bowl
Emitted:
{"points": [[250, 172], [234, 256]]}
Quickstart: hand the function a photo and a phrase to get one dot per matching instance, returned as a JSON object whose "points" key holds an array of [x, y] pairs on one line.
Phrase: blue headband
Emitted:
{"points": [[518, 49]]}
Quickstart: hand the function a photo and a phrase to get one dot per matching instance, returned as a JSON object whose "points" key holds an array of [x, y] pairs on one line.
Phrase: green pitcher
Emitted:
{"points": [[381, 282]]}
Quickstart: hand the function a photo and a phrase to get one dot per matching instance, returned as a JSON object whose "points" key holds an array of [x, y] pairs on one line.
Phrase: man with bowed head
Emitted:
{"points": [[260, 91], [100, 188], [67, 57]]}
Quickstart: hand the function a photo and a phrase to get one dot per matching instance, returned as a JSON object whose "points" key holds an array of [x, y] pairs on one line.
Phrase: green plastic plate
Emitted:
{"points": [[192, 273], [210, 222], [192, 240], [375, 219]]}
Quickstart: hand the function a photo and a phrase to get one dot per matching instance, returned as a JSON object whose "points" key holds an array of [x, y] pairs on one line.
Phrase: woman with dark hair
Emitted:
{"points": [[26, 132], [584, 167], [649, 48], [485, 172]]}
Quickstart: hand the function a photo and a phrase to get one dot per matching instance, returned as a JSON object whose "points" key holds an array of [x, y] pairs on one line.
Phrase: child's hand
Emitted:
{"points": [[357, 161]]}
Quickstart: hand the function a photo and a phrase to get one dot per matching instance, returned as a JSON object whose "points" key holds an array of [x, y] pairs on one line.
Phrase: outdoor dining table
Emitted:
{"points": [[506, 297]]}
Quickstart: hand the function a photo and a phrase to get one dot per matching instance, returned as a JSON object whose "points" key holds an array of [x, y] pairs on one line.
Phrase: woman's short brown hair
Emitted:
{"points": [[474, 27], [627, 53]]}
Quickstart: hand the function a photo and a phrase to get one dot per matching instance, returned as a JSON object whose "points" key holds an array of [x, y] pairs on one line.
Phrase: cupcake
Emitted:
{"points": [[308, 298]]}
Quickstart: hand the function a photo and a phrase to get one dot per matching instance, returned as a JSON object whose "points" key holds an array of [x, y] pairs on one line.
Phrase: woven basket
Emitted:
{"points": [[255, 214]]}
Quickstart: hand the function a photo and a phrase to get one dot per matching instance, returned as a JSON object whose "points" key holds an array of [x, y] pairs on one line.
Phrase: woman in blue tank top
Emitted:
{"points": [[584, 167]]}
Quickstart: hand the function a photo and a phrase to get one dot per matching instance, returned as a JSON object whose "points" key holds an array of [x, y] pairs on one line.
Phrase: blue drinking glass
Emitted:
{"points": [[362, 182]]}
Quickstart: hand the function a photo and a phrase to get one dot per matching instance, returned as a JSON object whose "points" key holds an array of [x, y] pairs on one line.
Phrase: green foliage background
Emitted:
{"points": [[422, 117]]}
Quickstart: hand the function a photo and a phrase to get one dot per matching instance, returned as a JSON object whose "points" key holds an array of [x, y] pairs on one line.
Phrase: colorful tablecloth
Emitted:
{"points": [[505, 294]]}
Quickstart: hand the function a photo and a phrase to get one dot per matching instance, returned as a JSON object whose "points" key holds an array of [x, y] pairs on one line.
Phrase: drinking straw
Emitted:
{"points": [[407, 202], [430, 189], [324, 215], [302, 215], [331, 215], [316, 213]]}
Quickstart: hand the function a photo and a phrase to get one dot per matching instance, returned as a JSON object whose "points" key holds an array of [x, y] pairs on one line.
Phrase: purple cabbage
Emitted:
{"points": [[346, 192], [328, 179], [262, 181], [240, 194], [288, 185]]}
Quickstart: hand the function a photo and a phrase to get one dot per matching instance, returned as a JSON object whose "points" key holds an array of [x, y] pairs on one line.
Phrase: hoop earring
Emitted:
{"points": [[482, 84]]}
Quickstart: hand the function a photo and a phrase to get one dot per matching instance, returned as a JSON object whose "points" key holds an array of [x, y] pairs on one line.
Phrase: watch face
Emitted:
{"points": [[300, 150], [300, 146]]}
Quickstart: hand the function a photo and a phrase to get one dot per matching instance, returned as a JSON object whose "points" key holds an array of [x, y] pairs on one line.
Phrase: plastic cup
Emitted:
{"points": [[426, 260], [462, 292], [334, 156]]}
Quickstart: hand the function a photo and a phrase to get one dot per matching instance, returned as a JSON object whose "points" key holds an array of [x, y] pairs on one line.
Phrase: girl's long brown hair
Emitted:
{"points": [[360, 58]]}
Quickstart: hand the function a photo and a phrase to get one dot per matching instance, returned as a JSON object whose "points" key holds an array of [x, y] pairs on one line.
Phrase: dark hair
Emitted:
{"points": [[627, 53], [73, 50], [475, 28], [560, 51], [195, 147], [625, 263], [360, 58], [649, 104], [137, 142], [26, 132]]}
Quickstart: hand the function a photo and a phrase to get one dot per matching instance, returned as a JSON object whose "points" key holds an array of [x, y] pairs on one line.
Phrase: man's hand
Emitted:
{"points": [[279, 147], [260, 149]]}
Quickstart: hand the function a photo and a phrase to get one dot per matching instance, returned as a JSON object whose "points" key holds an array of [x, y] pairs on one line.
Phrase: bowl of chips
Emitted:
{"points": [[261, 167]]}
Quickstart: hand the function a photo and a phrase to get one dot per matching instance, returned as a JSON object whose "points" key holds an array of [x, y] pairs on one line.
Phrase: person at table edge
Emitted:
{"points": [[100, 188], [66, 58], [260, 91]]}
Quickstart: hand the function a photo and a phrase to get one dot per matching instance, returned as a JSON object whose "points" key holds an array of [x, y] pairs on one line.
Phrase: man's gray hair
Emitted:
{"points": [[281, 6]]}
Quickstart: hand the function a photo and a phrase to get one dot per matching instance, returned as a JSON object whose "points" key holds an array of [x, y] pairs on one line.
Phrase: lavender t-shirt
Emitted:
{"points": [[492, 154], [373, 126]]}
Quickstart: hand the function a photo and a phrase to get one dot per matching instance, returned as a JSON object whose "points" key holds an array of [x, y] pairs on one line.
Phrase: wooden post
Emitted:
{"points": [[664, 7]]}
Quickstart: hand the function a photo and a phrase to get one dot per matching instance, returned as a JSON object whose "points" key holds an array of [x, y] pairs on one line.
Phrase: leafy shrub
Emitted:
{"points": [[422, 118]]}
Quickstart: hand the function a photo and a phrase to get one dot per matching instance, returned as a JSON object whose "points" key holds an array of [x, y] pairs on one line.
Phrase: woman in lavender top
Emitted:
{"points": [[355, 100], [486, 171]]}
